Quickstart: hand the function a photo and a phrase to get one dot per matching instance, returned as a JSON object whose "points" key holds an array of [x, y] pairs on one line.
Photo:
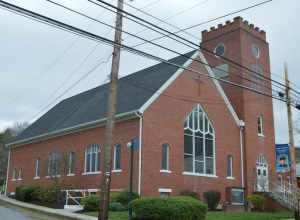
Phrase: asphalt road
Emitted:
{"points": [[14, 213]]}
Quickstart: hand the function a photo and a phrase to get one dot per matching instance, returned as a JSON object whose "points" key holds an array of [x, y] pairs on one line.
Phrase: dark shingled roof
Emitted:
{"points": [[133, 91]]}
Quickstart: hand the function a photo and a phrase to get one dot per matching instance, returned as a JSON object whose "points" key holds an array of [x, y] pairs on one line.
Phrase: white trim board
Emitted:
{"points": [[179, 72], [167, 83], [220, 90]]}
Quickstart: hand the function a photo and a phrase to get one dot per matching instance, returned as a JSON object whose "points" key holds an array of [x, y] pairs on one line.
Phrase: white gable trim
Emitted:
{"points": [[220, 90], [167, 83], [179, 72]]}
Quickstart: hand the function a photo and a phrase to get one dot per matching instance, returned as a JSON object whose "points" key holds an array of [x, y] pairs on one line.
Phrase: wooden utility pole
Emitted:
{"points": [[111, 111], [290, 126], [292, 143]]}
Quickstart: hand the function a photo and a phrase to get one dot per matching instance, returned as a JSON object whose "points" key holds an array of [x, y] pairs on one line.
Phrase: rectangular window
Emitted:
{"points": [[37, 167], [20, 174], [260, 127], [229, 166], [71, 163], [237, 196], [14, 175], [54, 163], [92, 159], [117, 157], [165, 157]]}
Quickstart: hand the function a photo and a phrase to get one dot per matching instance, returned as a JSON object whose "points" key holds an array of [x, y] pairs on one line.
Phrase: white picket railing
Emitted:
{"points": [[74, 197]]}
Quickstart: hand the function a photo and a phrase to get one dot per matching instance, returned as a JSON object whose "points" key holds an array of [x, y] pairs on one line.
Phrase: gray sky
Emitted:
{"points": [[36, 60]]}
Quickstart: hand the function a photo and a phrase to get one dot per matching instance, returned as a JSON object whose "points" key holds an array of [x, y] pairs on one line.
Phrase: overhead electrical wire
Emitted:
{"points": [[155, 44], [188, 41], [88, 35]]}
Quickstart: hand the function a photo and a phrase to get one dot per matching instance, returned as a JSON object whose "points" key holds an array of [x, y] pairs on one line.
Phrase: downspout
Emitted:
{"points": [[7, 172], [242, 126], [140, 115]]}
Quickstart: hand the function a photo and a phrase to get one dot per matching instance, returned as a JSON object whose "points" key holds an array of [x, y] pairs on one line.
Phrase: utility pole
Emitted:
{"points": [[111, 111], [292, 144]]}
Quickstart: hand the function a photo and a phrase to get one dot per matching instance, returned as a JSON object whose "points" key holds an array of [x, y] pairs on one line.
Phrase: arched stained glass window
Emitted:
{"points": [[199, 143]]}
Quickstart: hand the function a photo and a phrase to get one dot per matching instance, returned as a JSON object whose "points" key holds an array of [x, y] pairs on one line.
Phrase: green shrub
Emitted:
{"points": [[90, 203], [52, 195], [123, 197], [257, 201], [175, 208], [212, 198], [189, 193], [25, 193], [116, 206]]}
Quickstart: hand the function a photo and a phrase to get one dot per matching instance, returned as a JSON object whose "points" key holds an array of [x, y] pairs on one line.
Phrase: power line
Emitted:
{"points": [[88, 35], [133, 35], [188, 41], [168, 18], [148, 41]]}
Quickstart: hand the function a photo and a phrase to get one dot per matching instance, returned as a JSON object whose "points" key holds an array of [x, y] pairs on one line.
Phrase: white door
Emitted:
{"points": [[262, 174]]}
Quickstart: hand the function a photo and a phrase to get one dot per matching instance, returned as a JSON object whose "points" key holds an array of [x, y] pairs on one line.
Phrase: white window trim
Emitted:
{"points": [[36, 178], [164, 190], [231, 177], [168, 160], [238, 203], [91, 173], [54, 176], [165, 171], [198, 106], [116, 171], [69, 164], [115, 152], [37, 168], [97, 158], [198, 174], [215, 50], [261, 119]]}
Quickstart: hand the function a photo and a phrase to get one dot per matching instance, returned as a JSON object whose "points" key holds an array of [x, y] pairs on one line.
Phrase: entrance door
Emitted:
{"points": [[262, 174]]}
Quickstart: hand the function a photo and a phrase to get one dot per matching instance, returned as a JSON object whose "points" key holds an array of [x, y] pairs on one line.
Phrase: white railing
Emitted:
{"points": [[74, 197]]}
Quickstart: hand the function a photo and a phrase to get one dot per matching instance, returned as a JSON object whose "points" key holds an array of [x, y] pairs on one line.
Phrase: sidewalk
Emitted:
{"points": [[45, 210]]}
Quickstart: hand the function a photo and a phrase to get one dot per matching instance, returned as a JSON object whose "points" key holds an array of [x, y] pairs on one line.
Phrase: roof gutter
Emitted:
{"points": [[73, 129]]}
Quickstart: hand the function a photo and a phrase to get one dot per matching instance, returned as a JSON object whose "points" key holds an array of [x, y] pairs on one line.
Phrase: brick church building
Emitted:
{"points": [[195, 132]]}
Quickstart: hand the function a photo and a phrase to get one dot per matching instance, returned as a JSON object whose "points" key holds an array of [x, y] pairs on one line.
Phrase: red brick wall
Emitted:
{"points": [[163, 123], [24, 157], [238, 37]]}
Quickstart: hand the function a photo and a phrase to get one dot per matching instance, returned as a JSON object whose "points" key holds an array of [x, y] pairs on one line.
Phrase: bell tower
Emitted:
{"points": [[246, 45]]}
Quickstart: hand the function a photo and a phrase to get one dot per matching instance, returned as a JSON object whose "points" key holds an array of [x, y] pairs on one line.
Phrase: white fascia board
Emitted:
{"points": [[70, 130], [167, 83], [220, 90]]}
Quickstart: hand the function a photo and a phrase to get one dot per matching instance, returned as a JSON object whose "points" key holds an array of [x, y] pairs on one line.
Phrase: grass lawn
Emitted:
{"points": [[217, 215]]}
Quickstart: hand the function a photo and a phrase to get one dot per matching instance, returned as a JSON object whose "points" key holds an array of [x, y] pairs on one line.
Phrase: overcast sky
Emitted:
{"points": [[38, 62]]}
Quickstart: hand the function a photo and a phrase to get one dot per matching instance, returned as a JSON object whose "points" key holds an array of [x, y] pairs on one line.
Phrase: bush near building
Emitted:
{"points": [[175, 208], [51, 196], [257, 202]]}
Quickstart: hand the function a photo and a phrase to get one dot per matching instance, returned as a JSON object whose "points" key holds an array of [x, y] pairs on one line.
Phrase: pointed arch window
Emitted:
{"points": [[199, 144]]}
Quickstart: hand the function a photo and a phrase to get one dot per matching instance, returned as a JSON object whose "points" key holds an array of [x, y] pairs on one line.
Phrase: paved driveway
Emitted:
{"points": [[12, 213]]}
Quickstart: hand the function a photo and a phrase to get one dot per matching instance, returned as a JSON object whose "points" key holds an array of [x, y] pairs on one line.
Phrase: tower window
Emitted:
{"points": [[255, 51], [165, 157], [260, 128], [220, 49]]}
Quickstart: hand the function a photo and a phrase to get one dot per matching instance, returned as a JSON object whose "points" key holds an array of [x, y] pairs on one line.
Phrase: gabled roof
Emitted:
{"points": [[133, 91]]}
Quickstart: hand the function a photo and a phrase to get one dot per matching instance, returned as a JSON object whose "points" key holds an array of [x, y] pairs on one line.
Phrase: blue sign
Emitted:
{"points": [[135, 143], [283, 159]]}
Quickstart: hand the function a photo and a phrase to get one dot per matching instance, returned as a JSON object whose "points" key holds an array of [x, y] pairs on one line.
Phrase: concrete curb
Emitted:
{"points": [[45, 210]]}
